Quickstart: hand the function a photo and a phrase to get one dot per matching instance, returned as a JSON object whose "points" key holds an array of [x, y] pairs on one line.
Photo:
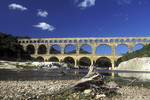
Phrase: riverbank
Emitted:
{"points": [[35, 89]]}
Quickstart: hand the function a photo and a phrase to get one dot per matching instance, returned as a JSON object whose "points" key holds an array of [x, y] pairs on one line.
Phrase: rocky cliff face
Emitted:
{"points": [[136, 64]]}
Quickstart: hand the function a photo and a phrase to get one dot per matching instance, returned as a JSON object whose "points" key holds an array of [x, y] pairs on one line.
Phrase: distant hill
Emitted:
{"points": [[9, 50], [81, 52]]}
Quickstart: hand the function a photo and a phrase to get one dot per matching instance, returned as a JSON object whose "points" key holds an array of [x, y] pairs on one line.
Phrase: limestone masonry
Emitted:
{"points": [[94, 42]]}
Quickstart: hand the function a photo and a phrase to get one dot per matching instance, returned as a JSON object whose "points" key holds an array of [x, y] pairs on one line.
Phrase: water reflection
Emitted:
{"points": [[47, 74], [141, 76]]}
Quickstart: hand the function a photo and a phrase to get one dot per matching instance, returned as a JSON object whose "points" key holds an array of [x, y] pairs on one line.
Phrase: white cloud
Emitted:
{"points": [[42, 13], [45, 26], [16, 6], [86, 3]]}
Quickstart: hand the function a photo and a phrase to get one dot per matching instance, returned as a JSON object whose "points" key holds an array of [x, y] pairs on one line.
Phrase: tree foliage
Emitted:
{"points": [[10, 50], [54, 51]]}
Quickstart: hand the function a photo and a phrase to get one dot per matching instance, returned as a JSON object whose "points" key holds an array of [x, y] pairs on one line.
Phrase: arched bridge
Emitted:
{"points": [[94, 42]]}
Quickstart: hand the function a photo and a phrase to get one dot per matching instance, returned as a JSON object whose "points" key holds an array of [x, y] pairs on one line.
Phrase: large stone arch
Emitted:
{"points": [[55, 49], [104, 48], [40, 58], [85, 47], [85, 61], [69, 60], [123, 50], [53, 59], [70, 49], [138, 46], [30, 49], [103, 62], [42, 49]]}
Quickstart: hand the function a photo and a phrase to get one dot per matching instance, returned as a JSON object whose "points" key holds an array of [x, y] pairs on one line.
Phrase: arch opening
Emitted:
{"points": [[137, 47], [70, 49], [85, 49], [122, 49], [55, 49], [53, 59], [69, 61], [103, 49], [39, 58], [103, 62], [85, 61], [30, 49], [42, 49]]}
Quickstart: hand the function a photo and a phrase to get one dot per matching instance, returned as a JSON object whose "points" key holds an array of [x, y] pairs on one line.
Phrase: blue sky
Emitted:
{"points": [[75, 18]]}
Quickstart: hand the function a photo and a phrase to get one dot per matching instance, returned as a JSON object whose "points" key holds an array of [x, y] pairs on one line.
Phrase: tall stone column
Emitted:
{"points": [[113, 49], [93, 49], [76, 64], [130, 48], [25, 47], [36, 49], [62, 50], [92, 62], [77, 49], [113, 64], [47, 49]]}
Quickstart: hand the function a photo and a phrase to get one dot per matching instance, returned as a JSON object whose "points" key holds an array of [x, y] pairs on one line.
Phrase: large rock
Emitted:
{"points": [[136, 64]]}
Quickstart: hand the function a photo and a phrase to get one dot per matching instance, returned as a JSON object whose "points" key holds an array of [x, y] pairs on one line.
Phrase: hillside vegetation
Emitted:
{"points": [[9, 50], [144, 52]]}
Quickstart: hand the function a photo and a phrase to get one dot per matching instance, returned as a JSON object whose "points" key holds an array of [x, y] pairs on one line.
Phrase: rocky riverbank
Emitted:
{"points": [[135, 64], [34, 89], [29, 89], [33, 65]]}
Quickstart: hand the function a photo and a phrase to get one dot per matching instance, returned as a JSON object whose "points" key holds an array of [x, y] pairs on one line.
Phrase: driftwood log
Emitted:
{"points": [[92, 80]]}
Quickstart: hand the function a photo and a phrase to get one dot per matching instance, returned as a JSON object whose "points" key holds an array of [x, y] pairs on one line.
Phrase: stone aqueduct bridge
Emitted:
{"points": [[94, 42]]}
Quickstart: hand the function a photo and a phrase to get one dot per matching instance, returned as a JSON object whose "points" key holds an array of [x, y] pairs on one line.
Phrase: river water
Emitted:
{"points": [[53, 74]]}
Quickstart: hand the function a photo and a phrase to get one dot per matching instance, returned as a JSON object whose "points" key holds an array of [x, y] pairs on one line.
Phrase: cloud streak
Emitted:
{"points": [[45, 26], [42, 13], [120, 2], [85, 3], [14, 6]]}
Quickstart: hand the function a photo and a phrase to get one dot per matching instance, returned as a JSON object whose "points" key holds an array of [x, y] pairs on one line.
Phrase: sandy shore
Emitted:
{"points": [[29, 89]]}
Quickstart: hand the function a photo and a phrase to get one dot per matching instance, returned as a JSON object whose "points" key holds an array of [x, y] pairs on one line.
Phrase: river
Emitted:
{"points": [[53, 74]]}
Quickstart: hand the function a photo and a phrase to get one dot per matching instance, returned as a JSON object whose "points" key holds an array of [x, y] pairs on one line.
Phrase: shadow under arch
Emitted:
{"points": [[55, 49], [70, 49], [69, 60], [40, 58], [138, 46], [121, 49], [53, 59], [103, 62], [103, 49], [119, 60], [85, 49], [85, 61], [42, 49], [30, 49]]}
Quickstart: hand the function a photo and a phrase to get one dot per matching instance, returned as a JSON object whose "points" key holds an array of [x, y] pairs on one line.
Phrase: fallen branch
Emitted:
{"points": [[133, 81]]}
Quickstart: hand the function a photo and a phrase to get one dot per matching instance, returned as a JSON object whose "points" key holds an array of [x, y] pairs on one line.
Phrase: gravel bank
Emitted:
{"points": [[133, 93], [27, 89]]}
